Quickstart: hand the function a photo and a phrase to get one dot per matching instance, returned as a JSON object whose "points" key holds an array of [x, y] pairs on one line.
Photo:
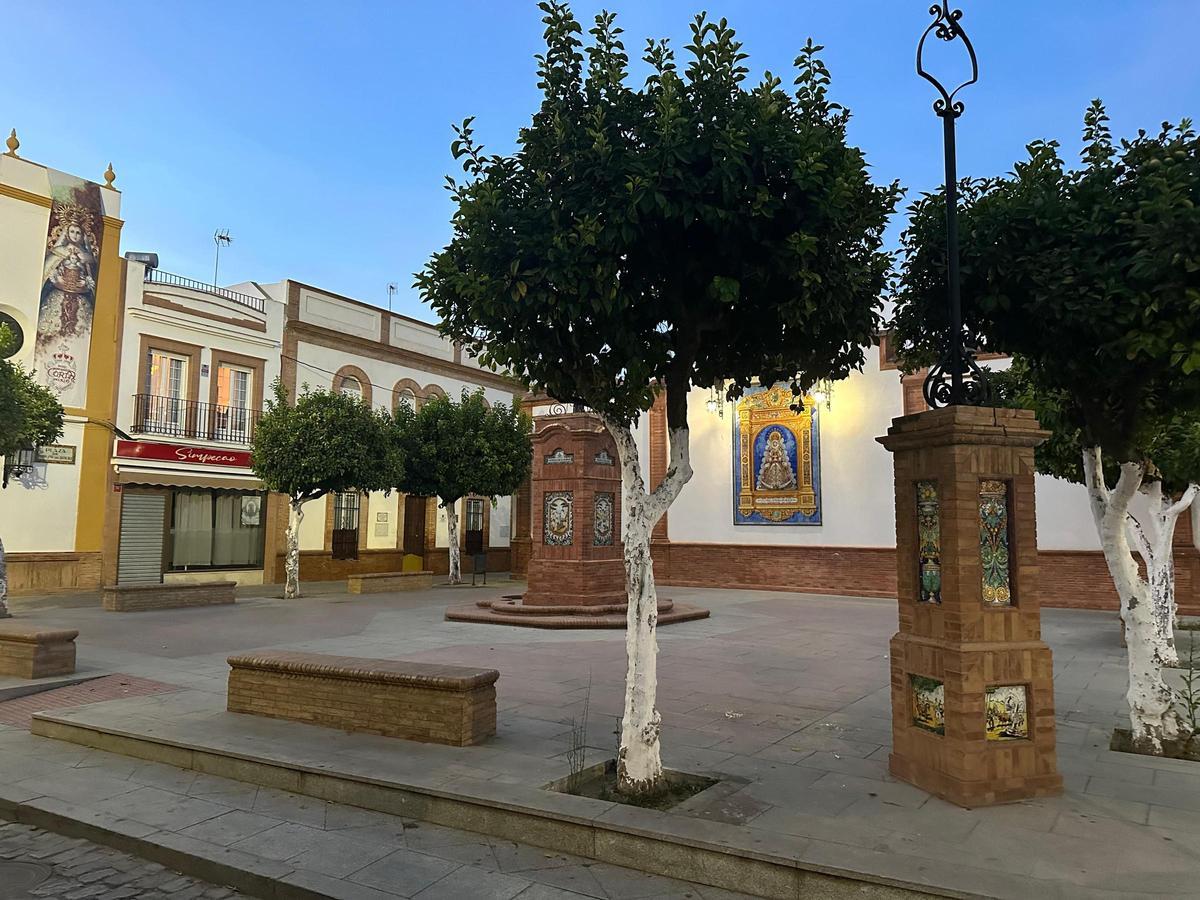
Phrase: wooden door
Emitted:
{"points": [[414, 525]]}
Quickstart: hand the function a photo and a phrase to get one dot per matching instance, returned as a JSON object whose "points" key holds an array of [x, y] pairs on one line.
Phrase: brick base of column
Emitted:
{"points": [[963, 766]]}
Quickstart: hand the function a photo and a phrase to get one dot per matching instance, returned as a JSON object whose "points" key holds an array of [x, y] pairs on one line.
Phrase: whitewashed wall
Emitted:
{"points": [[316, 362], [209, 335], [856, 477]]}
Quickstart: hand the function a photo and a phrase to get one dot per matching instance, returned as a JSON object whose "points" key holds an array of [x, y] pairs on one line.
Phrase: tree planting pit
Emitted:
{"points": [[599, 782]]}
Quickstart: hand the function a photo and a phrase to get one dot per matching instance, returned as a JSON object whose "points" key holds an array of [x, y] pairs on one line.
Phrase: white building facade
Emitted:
{"points": [[196, 361], [338, 343]]}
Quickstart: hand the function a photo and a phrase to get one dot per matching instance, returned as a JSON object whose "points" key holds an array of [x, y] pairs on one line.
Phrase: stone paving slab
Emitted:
{"points": [[787, 693], [284, 844]]}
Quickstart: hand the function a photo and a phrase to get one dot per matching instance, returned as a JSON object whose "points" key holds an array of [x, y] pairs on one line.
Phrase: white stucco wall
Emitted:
{"points": [[856, 477], [316, 362], [38, 511], [382, 533], [856, 472], [184, 327], [500, 523], [312, 527]]}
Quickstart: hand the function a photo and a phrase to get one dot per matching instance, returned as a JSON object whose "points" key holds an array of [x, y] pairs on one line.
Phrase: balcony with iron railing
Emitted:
{"points": [[177, 418], [157, 276]]}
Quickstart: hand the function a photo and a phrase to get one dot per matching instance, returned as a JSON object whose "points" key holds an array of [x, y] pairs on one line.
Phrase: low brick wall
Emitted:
{"points": [[140, 597], [383, 582], [417, 701], [29, 653]]}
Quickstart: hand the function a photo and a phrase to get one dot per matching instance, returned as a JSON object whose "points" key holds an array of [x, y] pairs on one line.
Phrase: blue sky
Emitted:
{"points": [[318, 133]]}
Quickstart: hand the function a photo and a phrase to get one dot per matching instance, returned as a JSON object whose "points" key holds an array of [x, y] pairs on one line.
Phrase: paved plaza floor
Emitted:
{"points": [[782, 696]]}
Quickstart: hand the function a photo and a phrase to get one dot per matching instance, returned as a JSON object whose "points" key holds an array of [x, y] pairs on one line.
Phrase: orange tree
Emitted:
{"points": [[693, 230], [1090, 278]]}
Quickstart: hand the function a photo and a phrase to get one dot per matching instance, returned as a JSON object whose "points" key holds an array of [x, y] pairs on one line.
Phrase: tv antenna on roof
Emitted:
{"points": [[392, 288], [220, 238]]}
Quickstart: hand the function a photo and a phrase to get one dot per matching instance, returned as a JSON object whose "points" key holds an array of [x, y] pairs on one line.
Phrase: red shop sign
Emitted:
{"points": [[180, 453]]}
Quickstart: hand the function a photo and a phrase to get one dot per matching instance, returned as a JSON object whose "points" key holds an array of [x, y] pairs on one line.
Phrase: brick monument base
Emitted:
{"points": [[576, 573], [972, 681]]}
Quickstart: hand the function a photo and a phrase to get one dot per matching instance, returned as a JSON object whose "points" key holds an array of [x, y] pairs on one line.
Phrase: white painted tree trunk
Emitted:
{"points": [[452, 534], [1155, 540], [4, 613], [1152, 715], [291, 560], [639, 760]]}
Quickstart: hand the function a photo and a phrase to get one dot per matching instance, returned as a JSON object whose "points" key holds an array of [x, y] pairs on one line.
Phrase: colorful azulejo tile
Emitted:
{"points": [[929, 542], [559, 518], [993, 543], [1007, 712], [928, 703], [602, 525]]}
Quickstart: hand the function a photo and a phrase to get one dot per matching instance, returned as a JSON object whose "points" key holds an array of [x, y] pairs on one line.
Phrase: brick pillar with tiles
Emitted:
{"points": [[971, 679], [577, 555]]}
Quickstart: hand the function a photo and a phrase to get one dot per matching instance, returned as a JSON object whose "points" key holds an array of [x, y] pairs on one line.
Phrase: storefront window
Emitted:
{"points": [[217, 530]]}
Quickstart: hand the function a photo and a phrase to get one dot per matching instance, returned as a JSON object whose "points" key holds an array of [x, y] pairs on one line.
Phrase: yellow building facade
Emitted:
{"points": [[61, 294]]}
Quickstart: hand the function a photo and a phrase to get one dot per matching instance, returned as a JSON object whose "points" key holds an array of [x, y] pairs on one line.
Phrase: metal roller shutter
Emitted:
{"points": [[139, 560]]}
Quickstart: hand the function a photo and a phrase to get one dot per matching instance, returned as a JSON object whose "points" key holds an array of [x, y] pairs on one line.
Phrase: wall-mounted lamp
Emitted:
{"points": [[716, 400], [822, 392]]}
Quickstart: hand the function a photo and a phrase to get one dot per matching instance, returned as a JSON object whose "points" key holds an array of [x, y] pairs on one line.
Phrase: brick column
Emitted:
{"points": [[659, 455], [521, 541], [972, 681], [577, 551], [1187, 568]]}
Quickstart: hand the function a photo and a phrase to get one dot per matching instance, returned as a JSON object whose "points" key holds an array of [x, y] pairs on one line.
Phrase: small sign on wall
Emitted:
{"points": [[63, 454]]}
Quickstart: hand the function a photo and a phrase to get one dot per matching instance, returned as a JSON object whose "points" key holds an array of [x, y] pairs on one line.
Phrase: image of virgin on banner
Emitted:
{"points": [[68, 297]]}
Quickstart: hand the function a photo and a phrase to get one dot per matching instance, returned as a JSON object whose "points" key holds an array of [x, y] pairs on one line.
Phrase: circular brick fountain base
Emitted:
{"points": [[511, 611]]}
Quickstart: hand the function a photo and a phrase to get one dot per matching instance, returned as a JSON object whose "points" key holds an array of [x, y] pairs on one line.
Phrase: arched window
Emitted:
{"points": [[407, 396], [351, 387]]}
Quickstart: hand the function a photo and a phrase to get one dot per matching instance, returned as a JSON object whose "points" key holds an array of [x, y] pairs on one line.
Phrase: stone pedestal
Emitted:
{"points": [[576, 571], [972, 681]]}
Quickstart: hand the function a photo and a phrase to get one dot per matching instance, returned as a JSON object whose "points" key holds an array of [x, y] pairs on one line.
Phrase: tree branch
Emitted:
{"points": [[1144, 548]]}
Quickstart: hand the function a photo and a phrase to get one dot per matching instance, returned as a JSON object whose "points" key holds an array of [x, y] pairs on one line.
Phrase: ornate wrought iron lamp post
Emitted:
{"points": [[954, 379]]}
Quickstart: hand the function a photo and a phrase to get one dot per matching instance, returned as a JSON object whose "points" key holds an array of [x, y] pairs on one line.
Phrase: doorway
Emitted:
{"points": [[474, 529], [344, 540], [414, 525]]}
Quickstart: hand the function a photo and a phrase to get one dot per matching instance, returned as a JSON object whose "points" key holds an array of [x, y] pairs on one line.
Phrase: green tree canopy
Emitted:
{"points": [[1090, 275], [29, 414], [453, 449], [691, 230], [323, 443]]}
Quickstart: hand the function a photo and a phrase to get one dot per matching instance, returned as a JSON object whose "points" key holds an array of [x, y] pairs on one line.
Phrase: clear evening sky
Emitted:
{"points": [[318, 133]]}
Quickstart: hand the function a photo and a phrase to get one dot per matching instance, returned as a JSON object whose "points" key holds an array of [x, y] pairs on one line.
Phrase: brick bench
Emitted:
{"points": [[417, 701], [381, 582], [30, 653], [139, 597]]}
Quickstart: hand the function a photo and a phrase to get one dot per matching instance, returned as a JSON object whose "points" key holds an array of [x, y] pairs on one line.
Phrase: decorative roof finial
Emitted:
{"points": [[12, 143], [109, 176]]}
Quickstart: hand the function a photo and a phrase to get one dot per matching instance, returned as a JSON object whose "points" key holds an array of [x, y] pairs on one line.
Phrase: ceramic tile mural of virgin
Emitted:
{"points": [[68, 297], [776, 459]]}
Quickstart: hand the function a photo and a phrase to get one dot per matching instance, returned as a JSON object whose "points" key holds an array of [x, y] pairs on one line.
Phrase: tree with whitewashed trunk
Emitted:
{"points": [[454, 449], [1090, 279], [30, 415], [694, 230], [323, 443]]}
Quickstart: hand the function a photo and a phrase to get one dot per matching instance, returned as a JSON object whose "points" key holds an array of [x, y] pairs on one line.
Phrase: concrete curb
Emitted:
{"points": [[654, 842]]}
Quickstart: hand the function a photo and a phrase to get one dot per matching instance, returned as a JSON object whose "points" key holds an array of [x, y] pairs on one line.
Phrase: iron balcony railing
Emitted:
{"points": [[157, 276], [172, 417]]}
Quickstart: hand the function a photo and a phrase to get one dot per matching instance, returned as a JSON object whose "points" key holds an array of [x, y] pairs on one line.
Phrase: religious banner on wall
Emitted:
{"points": [[776, 459], [68, 293]]}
